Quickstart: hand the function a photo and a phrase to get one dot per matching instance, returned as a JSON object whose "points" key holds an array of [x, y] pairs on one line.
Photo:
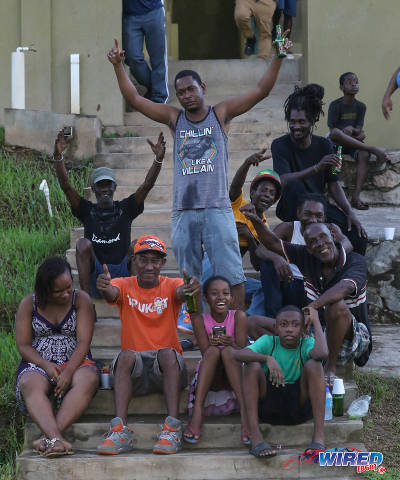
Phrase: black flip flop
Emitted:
{"points": [[260, 447], [313, 448]]}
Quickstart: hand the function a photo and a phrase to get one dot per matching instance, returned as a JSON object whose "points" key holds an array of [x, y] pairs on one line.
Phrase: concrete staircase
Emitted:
{"points": [[220, 454]]}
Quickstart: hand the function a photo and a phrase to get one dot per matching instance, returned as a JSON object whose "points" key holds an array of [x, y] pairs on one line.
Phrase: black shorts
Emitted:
{"points": [[281, 405]]}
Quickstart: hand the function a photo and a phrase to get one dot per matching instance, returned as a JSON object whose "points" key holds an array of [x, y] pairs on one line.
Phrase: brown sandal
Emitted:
{"points": [[50, 452]]}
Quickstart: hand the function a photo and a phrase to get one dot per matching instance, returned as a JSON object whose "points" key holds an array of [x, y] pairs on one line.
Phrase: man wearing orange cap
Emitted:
{"points": [[151, 356]]}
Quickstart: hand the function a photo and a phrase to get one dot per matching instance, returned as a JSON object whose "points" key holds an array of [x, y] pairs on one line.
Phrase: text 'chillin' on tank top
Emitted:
{"points": [[200, 164]]}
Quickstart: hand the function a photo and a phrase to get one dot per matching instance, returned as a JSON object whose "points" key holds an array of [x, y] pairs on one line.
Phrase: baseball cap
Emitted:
{"points": [[149, 243], [268, 175], [102, 173]]}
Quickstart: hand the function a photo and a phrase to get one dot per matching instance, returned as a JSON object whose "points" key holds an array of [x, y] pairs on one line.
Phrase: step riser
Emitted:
{"points": [[87, 436], [229, 465], [144, 160], [139, 145], [166, 177], [146, 131], [163, 231], [159, 195], [170, 264]]}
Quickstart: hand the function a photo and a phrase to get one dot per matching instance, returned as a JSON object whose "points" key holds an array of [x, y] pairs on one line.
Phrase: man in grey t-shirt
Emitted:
{"points": [[202, 216]]}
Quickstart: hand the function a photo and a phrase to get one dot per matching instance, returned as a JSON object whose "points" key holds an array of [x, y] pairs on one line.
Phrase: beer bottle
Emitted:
{"points": [[191, 303], [280, 43], [337, 169]]}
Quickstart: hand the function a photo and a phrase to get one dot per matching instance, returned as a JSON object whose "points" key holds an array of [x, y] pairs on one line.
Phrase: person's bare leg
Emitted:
{"points": [[35, 388], [238, 294], [123, 383], [233, 370], [312, 386], [209, 362], [254, 388], [361, 176], [84, 262], [258, 325], [171, 379], [287, 24], [84, 385], [338, 327], [339, 137]]}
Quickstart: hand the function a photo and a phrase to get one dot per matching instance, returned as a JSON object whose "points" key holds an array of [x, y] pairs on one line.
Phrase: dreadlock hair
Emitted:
{"points": [[46, 274], [309, 99]]}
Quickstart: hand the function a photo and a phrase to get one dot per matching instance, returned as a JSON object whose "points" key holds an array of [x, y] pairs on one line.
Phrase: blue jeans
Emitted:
{"points": [[116, 271], [150, 27], [279, 294], [255, 294]]}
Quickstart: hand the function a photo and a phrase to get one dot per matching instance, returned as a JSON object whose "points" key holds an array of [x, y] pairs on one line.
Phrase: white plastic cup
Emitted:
{"points": [[389, 233], [338, 387], [105, 380]]}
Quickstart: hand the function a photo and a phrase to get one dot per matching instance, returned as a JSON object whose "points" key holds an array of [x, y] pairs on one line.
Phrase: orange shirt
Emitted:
{"points": [[240, 218], [148, 315]]}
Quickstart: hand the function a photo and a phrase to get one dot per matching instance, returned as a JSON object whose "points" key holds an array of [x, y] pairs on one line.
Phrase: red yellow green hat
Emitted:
{"points": [[268, 175]]}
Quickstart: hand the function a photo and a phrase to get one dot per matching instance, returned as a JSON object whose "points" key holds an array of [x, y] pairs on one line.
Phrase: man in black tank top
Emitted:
{"points": [[190, 91], [107, 223]]}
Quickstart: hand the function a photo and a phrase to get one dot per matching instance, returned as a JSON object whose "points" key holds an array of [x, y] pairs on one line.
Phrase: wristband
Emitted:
{"points": [[158, 161], [60, 160], [315, 168]]}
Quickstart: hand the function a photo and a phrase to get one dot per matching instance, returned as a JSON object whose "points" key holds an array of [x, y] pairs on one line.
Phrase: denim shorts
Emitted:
{"points": [[288, 7], [215, 230]]}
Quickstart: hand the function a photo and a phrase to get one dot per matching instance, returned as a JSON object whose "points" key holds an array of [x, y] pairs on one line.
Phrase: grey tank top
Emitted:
{"points": [[200, 164]]}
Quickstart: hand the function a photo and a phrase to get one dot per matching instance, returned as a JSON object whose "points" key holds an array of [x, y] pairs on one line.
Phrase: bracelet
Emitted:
{"points": [[60, 160], [158, 161]]}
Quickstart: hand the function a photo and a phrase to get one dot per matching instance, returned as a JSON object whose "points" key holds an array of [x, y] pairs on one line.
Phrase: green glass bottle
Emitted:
{"points": [[191, 303], [280, 43], [338, 404], [338, 169]]}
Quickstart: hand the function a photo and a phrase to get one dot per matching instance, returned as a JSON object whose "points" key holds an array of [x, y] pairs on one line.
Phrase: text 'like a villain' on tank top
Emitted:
{"points": [[200, 164]]}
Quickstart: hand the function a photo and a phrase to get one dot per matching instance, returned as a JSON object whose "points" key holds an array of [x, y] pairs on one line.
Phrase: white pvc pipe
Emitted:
{"points": [[75, 93], [18, 78], [45, 188]]}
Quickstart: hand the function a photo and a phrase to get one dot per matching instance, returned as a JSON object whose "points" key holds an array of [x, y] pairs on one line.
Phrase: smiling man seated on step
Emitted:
{"points": [[107, 223], [151, 356]]}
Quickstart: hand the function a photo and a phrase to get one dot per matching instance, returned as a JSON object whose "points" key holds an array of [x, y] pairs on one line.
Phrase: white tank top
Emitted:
{"points": [[297, 239]]}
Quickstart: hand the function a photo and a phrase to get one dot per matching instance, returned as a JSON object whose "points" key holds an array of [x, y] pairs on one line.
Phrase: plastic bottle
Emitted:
{"points": [[191, 303], [359, 407], [328, 405]]}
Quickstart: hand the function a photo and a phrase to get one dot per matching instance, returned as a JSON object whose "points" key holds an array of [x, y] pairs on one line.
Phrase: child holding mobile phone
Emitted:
{"points": [[216, 388]]}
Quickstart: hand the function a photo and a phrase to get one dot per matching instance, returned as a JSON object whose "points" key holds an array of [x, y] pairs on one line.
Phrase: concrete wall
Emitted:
{"points": [[57, 28], [359, 36]]}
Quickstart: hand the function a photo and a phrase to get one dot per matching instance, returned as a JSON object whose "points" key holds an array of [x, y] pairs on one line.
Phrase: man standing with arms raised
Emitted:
{"points": [[202, 215]]}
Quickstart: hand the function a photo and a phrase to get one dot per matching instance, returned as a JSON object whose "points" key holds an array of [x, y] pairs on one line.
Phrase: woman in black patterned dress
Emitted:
{"points": [[54, 328]]}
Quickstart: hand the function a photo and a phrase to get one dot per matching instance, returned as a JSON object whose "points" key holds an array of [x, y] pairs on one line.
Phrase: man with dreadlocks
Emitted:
{"points": [[304, 162]]}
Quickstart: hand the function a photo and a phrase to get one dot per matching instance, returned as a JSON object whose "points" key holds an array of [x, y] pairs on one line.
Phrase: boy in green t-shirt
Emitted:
{"points": [[283, 379]]}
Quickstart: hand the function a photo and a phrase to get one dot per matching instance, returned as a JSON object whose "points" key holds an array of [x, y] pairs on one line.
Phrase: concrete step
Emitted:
{"points": [[234, 72], [198, 465], [217, 432], [169, 265], [237, 126], [144, 160], [159, 195], [139, 145], [132, 176]]}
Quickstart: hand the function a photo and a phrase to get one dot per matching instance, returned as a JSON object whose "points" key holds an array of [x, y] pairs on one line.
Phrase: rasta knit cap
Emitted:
{"points": [[271, 176]]}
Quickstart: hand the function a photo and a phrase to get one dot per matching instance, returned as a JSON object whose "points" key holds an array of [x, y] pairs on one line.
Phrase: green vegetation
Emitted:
{"points": [[28, 235], [382, 424]]}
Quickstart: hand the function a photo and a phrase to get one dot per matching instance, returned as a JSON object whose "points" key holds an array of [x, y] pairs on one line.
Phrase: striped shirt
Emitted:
{"points": [[351, 267]]}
